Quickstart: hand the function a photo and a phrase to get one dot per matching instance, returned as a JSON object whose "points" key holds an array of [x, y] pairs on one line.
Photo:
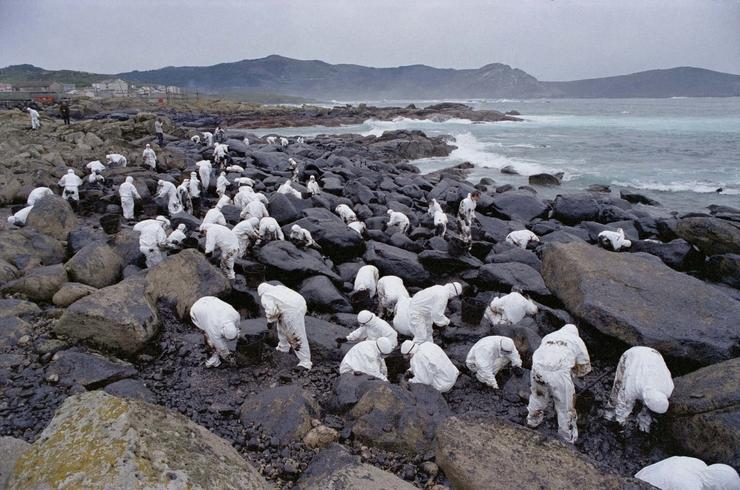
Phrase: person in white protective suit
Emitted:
{"points": [[235, 168], [95, 167], [269, 230], [244, 196], [286, 188], [152, 239], [430, 365], [440, 223], [427, 308], [396, 218], [367, 358], [271, 140], [242, 181], [301, 140], [521, 238], [434, 207], [204, 171], [684, 473], [247, 232], [373, 328], [221, 184], [219, 152], [283, 141], [213, 216], [402, 316], [37, 194], [245, 141], [195, 139], [346, 213], [116, 159], [34, 114], [465, 215], [358, 227], [150, 158], [220, 323], [390, 289], [313, 186], [224, 200], [489, 356], [183, 194], [221, 238], [613, 240], [295, 170], [70, 184], [194, 188], [208, 138], [509, 309], [127, 191], [19, 218], [642, 375], [169, 191], [367, 280], [254, 209], [560, 354], [287, 309], [175, 239], [302, 238]]}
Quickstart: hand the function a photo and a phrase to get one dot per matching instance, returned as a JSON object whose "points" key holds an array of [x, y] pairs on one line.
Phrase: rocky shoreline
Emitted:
{"points": [[80, 313]]}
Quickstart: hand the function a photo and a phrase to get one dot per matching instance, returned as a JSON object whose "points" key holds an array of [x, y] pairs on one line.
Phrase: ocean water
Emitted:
{"points": [[678, 151]]}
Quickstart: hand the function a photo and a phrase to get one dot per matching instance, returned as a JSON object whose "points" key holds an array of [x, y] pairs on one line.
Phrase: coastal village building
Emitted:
{"points": [[6, 87], [114, 87]]}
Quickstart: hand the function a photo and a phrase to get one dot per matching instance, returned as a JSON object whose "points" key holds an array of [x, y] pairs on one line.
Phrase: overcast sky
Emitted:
{"points": [[550, 39]]}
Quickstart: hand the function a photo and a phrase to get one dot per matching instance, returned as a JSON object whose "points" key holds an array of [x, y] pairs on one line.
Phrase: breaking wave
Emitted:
{"points": [[701, 187], [481, 154]]}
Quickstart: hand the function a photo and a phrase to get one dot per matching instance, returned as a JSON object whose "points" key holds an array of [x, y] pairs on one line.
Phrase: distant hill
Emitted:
{"points": [[300, 80]]}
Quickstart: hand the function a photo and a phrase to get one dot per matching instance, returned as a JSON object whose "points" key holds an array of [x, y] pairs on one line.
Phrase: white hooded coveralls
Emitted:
{"points": [[116, 159], [247, 233], [491, 354], [346, 213], [213, 216], [128, 193], [183, 193], [219, 321], [366, 358], [194, 186], [509, 309], [222, 238], [313, 186], [254, 209], [521, 238], [440, 223], [434, 208], [684, 473], [427, 308], [152, 239], [208, 136], [175, 239], [169, 191], [37, 194], [431, 366], [367, 279], [20, 217], [402, 316], [372, 328], [641, 375], [71, 183], [614, 239], [95, 166], [150, 158], [244, 196], [219, 152], [465, 215], [560, 354], [358, 227], [269, 230], [286, 188], [390, 289], [35, 123], [204, 170], [195, 139], [302, 237], [221, 184], [398, 219], [287, 309]]}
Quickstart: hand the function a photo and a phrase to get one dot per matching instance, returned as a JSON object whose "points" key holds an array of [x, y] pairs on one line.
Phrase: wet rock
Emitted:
{"points": [[677, 254], [543, 179], [494, 453], [92, 371], [400, 419], [195, 277], [135, 445], [126, 245], [321, 436], [131, 388], [443, 263], [571, 209], [520, 206], [321, 295], [509, 170], [82, 236], [10, 450], [495, 229], [187, 219], [515, 254], [503, 277], [322, 337], [28, 248], [71, 292], [39, 284], [284, 412], [284, 258], [713, 236], [395, 261], [624, 296], [725, 268], [704, 413], [18, 307], [348, 389], [286, 209], [636, 198], [12, 330], [53, 216], [336, 240], [336, 469], [593, 229], [96, 265], [8, 272], [118, 318]]}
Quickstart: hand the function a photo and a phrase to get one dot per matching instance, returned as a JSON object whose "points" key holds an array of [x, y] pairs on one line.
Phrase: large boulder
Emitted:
{"points": [[8, 272], [96, 265], [10, 450], [496, 454], [678, 253], [118, 318], [704, 417], [322, 337], [101, 441], [399, 419], [71, 292], [53, 216], [643, 302], [336, 469], [571, 209], [322, 295], [284, 412], [504, 276], [282, 257], [392, 260], [183, 278], [520, 206], [725, 268], [440, 262], [336, 240], [29, 248], [92, 371], [39, 284], [286, 209], [713, 236]]}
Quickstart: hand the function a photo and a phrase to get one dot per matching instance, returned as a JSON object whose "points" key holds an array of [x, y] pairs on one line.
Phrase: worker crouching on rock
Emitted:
{"points": [[219, 321]]}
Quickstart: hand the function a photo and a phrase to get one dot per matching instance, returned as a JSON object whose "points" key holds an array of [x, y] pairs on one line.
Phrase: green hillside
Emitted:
{"points": [[23, 73]]}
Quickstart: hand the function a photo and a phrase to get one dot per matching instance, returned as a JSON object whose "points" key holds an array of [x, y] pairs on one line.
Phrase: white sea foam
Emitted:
{"points": [[378, 127], [482, 154], [701, 187]]}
